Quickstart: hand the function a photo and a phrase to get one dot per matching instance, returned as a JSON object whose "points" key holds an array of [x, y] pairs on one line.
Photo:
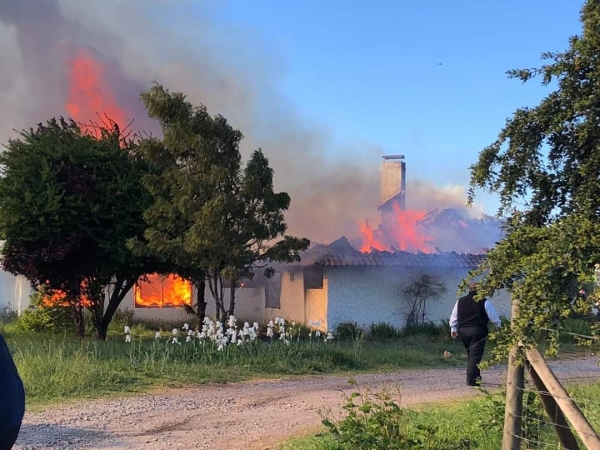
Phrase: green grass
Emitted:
{"points": [[57, 368], [472, 425]]}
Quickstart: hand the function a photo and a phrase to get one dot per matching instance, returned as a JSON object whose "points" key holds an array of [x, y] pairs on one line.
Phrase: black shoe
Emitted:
{"points": [[475, 383]]}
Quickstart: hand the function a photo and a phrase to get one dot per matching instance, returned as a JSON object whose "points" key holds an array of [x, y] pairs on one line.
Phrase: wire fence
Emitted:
{"points": [[581, 379]]}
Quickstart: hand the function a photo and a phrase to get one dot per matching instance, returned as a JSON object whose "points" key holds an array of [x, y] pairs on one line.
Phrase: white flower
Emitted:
{"points": [[190, 333], [186, 326], [157, 335], [188, 339], [240, 342], [220, 348], [329, 336], [128, 338], [202, 335], [269, 332], [255, 325], [231, 322], [270, 324], [127, 329], [175, 340], [317, 333], [293, 324], [310, 323], [175, 331]]}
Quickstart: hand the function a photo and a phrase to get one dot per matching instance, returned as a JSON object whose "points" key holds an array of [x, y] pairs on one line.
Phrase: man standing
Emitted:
{"points": [[12, 398], [469, 321]]}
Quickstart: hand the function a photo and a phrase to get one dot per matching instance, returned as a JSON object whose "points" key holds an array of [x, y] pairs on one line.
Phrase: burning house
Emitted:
{"points": [[360, 279], [347, 280]]}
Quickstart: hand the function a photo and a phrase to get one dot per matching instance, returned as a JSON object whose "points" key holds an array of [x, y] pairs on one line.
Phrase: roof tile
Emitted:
{"points": [[341, 253]]}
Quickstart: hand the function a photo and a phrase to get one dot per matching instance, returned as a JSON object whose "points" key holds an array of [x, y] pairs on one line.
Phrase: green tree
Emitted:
{"points": [[243, 231], [545, 166], [197, 158], [209, 217], [70, 199]]}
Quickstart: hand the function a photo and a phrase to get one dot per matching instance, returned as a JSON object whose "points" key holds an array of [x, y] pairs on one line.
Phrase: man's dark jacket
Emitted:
{"points": [[12, 398]]}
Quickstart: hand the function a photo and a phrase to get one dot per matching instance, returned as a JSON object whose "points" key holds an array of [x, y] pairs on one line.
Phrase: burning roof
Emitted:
{"points": [[451, 229], [342, 253]]}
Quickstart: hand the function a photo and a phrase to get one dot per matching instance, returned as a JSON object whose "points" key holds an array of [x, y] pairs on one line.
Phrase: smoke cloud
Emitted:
{"points": [[223, 68]]}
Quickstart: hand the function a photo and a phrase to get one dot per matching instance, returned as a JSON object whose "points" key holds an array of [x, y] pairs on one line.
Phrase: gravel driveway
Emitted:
{"points": [[252, 415]]}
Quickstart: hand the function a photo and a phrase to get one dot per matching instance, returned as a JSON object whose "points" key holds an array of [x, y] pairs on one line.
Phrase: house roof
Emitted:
{"points": [[342, 253]]}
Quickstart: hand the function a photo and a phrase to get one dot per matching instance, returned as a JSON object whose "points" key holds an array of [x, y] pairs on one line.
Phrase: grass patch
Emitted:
{"points": [[375, 422], [57, 368]]}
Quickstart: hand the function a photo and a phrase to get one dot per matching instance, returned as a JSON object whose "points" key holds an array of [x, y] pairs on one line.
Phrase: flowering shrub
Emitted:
{"points": [[229, 334]]}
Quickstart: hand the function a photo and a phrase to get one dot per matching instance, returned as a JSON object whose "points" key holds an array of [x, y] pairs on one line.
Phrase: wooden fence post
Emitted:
{"points": [[580, 424], [511, 436], [561, 426]]}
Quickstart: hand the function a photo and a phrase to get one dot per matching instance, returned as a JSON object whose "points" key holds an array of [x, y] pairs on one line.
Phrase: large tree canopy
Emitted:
{"points": [[70, 199], [212, 218], [545, 165]]}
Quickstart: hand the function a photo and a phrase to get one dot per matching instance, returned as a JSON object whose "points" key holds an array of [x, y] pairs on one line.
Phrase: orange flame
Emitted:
{"points": [[401, 230], [163, 292], [59, 298], [369, 240], [89, 94]]}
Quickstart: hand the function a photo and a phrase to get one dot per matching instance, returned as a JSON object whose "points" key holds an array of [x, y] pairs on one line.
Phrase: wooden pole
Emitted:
{"points": [[511, 436], [561, 426], [580, 424]]}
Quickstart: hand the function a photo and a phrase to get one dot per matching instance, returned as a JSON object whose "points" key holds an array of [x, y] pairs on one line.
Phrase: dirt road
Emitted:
{"points": [[253, 415]]}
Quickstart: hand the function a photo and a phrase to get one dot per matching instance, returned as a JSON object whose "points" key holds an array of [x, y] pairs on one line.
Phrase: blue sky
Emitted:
{"points": [[426, 79]]}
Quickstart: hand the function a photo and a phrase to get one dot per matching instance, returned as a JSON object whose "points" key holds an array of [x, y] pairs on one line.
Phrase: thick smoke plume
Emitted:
{"points": [[220, 67]]}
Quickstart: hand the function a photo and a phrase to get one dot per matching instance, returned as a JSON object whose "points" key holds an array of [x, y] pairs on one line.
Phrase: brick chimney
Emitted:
{"points": [[393, 181]]}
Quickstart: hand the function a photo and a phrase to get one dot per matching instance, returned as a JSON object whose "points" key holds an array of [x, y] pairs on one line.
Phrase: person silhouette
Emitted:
{"points": [[469, 322], [12, 398]]}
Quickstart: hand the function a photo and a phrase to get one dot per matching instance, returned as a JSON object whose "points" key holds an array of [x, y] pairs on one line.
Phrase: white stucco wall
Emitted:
{"points": [[15, 292], [368, 295], [291, 301], [316, 306]]}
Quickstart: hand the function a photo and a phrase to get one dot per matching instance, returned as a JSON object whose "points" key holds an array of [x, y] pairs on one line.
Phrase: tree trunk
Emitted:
{"points": [[79, 320], [201, 301], [222, 299], [120, 291], [231, 299]]}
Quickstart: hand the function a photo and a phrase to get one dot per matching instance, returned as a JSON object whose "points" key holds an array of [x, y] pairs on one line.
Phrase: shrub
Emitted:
{"points": [[374, 421], [8, 315], [349, 331], [39, 317], [431, 329], [384, 330]]}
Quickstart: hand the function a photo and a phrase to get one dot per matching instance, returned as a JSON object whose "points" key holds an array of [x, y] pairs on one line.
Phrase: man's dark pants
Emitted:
{"points": [[473, 339]]}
